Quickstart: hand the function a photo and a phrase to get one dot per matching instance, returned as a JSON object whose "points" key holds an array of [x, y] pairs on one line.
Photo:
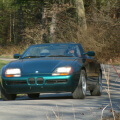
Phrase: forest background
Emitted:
{"points": [[93, 23]]}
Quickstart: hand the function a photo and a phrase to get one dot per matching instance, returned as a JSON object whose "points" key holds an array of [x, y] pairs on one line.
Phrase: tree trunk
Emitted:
{"points": [[93, 9], [20, 25], [44, 25], [10, 38], [14, 28], [53, 24], [81, 14]]}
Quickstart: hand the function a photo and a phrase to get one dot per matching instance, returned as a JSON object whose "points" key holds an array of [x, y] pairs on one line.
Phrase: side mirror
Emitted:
{"points": [[90, 53], [16, 56]]}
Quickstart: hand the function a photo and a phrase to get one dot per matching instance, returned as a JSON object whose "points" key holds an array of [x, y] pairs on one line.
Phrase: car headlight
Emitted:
{"points": [[62, 71], [13, 72]]}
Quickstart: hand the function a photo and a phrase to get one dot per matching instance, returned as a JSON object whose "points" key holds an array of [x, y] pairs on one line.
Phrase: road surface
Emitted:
{"points": [[62, 106]]}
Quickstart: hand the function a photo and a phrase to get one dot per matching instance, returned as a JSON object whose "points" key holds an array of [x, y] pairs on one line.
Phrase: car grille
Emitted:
{"points": [[16, 82], [31, 80], [39, 80], [56, 81]]}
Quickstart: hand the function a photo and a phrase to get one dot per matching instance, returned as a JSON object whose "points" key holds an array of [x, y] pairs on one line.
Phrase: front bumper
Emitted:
{"points": [[39, 84]]}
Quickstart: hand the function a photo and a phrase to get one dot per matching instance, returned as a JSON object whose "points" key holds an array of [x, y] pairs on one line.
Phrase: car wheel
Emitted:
{"points": [[98, 88], [80, 91], [34, 95], [5, 96]]}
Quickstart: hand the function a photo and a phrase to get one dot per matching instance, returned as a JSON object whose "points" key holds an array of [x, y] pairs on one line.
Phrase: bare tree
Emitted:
{"points": [[53, 23], [93, 8], [81, 14]]}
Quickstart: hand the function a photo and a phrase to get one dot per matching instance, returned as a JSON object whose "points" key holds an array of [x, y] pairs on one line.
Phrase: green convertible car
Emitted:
{"points": [[52, 68]]}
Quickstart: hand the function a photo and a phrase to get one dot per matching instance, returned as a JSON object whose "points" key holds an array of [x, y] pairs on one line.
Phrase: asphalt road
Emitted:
{"points": [[62, 106]]}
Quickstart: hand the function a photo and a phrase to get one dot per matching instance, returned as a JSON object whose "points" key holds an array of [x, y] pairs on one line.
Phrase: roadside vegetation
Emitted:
{"points": [[93, 23], [2, 63], [117, 117]]}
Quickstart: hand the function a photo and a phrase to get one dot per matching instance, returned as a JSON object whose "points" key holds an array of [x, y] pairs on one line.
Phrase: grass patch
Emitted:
{"points": [[6, 56], [2, 63], [117, 117]]}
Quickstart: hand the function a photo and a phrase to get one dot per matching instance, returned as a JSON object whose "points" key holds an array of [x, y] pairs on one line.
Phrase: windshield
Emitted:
{"points": [[52, 50]]}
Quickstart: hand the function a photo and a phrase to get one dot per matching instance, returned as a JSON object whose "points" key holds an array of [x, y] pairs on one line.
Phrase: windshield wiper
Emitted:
{"points": [[59, 56], [33, 57], [45, 56]]}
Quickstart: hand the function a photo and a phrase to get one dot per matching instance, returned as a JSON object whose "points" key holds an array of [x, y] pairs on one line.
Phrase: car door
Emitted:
{"points": [[91, 66], [88, 62]]}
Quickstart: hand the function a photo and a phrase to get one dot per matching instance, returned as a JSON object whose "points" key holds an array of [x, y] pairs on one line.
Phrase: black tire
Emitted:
{"points": [[34, 95], [98, 88], [80, 91], [5, 96]]}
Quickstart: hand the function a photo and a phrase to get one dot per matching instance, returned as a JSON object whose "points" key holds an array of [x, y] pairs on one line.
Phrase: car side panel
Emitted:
{"points": [[92, 69]]}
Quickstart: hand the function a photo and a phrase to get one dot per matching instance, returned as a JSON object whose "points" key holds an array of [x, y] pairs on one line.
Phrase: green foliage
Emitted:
{"points": [[2, 63]]}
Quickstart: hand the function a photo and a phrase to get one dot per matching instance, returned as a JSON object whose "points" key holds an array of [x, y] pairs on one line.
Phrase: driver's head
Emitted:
{"points": [[44, 51], [71, 51]]}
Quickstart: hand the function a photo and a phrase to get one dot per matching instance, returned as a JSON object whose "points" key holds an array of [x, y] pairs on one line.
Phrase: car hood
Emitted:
{"points": [[40, 65]]}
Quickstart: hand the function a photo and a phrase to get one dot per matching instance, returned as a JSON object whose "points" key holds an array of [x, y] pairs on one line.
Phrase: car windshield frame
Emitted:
{"points": [[58, 50]]}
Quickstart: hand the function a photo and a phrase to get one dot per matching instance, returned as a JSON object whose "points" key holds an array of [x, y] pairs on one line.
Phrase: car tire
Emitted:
{"points": [[34, 95], [80, 91], [5, 96], [98, 88]]}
